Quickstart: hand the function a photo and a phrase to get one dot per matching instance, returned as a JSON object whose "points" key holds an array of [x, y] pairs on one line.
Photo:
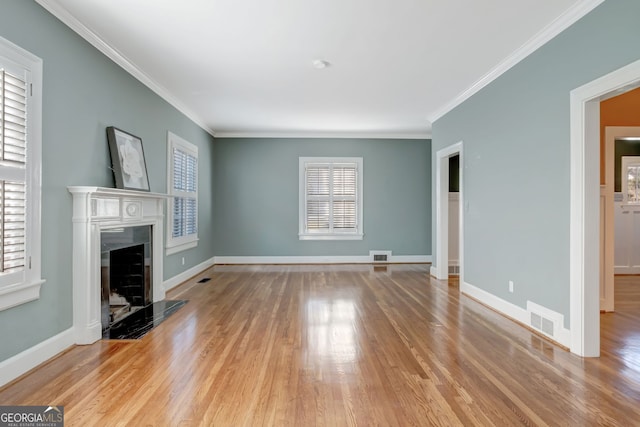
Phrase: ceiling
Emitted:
{"points": [[246, 67]]}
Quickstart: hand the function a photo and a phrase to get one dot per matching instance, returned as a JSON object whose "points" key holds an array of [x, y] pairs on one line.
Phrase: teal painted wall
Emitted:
{"points": [[256, 196], [516, 158], [84, 92]]}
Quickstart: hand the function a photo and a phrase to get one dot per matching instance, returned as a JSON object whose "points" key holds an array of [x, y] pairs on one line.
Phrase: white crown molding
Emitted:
{"points": [[563, 22], [334, 135], [53, 7]]}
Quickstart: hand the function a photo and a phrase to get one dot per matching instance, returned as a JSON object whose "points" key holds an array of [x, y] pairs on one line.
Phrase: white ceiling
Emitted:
{"points": [[245, 67]]}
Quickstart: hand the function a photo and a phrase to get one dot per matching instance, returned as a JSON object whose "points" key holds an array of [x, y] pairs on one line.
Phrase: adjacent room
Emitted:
{"points": [[218, 213]]}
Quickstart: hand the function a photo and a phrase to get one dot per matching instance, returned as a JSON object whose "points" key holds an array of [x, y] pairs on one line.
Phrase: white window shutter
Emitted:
{"points": [[329, 193], [13, 145]]}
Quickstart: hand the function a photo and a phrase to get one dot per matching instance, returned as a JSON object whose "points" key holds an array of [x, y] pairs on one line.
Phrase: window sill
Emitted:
{"points": [[14, 295], [170, 250], [335, 236]]}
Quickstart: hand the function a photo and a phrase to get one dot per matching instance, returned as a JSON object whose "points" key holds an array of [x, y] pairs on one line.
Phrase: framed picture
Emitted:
{"points": [[127, 160]]}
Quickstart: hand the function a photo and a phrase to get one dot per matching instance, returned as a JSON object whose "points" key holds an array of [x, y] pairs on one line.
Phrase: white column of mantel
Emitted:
{"points": [[86, 280], [94, 209]]}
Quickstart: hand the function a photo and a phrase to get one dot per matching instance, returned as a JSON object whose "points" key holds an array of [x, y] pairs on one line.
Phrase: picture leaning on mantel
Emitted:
{"points": [[127, 160]]}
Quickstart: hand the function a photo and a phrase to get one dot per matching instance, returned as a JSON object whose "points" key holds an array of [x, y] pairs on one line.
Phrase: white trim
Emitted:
{"points": [[187, 274], [441, 270], [31, 280], [96, 209], [584, 204], [515, 312], [355, 259], [174, 245], [170, 250], [19, 293], [303, 233], [329, 135], [564, 21], [23, 362], [562, 334], [433, 271], [57, 10], [331, 236]]}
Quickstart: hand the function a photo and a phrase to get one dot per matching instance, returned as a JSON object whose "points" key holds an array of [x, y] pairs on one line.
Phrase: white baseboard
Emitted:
{"points": [[22, 363], [187, 274], [364, 259], [562, 336]]}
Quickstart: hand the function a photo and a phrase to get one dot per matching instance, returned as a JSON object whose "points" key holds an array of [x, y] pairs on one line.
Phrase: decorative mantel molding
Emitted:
{"points": [[96, 209]]}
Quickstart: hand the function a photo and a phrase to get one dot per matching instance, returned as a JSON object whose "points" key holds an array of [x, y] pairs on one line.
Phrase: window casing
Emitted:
{"points": [[20, 179], [182, 224], [330, 197]]}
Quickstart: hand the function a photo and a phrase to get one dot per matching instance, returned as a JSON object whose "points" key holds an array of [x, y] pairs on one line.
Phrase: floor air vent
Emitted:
{"points": [[206, 279]]}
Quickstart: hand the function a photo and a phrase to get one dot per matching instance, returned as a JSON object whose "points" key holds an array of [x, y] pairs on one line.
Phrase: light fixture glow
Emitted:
{"points": [[319, 64]]}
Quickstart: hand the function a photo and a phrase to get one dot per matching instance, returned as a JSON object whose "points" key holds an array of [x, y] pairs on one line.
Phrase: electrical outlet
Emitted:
{"points": [[183, 262], [511, 286]]}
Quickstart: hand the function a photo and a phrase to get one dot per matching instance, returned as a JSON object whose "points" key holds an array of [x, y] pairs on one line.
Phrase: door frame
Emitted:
{"points": [[441, 269], [584, 241]]}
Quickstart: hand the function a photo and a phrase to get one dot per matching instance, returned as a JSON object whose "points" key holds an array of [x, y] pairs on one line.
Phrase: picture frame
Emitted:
{"points": [[127, 160]]}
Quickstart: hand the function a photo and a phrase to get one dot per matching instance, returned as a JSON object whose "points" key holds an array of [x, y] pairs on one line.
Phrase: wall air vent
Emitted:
{"points": [[542, 324], [380, 256], [454, 270]]}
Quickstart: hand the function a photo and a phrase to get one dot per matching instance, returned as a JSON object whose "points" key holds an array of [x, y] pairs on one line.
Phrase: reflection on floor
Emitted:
{"points": [[620, 330], [136, 325]]}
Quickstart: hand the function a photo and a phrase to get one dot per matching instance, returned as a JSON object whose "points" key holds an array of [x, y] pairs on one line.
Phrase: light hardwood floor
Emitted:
{"points": [[341, 345]]}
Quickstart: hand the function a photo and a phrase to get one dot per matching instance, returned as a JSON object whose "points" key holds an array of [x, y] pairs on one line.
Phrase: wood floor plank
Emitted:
{"points": [[342, 345]]}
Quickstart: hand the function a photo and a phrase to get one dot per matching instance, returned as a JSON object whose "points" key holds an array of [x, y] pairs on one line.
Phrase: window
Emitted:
{"points": [[182, 230], [330, 198], [20, 158], [630, 179]]}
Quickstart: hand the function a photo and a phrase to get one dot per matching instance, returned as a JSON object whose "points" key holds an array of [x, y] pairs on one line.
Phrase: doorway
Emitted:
{"points": [[617, 218], [441, 268], [584, 242]]}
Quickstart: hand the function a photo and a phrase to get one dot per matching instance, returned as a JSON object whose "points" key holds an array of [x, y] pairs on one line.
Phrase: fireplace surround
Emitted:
{"points": [[97, 210]]}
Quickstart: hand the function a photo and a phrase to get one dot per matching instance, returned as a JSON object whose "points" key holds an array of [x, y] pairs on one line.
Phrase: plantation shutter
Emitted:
{"points": [[331, 199], [185, 209], [13, 146], [344, 197], [318, 194]]}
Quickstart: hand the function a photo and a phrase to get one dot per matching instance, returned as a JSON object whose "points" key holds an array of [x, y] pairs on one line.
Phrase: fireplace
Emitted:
{"points": [[125, 260], [114, 226]]}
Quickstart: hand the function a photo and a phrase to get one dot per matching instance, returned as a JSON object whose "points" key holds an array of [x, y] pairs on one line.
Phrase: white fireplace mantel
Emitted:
{"points": [[96, 209]]}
